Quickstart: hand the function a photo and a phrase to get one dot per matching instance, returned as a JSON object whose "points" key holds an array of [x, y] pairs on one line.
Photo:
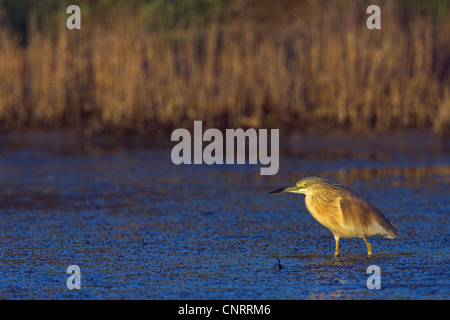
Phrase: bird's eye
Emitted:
{"points": [[305, 184]]}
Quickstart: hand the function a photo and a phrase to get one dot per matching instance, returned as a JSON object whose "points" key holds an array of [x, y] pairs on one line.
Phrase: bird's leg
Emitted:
{"points": [[369, 246], [336, 250]]}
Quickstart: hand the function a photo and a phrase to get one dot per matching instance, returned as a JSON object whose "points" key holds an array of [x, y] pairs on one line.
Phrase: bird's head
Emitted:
{"points": [[306, 186]]}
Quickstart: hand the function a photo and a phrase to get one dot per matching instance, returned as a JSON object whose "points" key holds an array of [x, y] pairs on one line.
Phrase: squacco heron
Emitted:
{"points": [[342, 211]]}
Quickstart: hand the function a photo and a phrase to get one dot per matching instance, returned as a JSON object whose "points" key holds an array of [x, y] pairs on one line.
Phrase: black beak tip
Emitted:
{"points": [[277, 190]]}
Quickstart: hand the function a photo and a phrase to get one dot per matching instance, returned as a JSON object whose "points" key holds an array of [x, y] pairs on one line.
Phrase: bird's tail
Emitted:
{"points": [[391, 231]]}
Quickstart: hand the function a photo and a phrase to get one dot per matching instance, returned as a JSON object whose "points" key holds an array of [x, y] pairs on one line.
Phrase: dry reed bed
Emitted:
{"points": [[316, 69]]}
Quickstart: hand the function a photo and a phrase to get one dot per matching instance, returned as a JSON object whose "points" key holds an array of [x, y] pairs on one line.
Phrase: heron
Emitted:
{"points": [[342, 211]]}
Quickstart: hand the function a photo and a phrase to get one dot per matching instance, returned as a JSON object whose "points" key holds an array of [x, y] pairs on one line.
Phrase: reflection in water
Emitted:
{"points": [[398, 176]]}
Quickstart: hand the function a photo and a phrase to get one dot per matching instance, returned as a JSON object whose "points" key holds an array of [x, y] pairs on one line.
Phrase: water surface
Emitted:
{"points": [[140, 227]]}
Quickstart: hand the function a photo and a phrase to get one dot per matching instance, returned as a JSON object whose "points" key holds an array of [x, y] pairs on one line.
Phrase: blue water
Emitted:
{"points": [[140, 227]]}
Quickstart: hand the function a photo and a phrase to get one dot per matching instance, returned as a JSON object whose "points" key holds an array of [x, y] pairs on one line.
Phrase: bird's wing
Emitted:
{"points": [[363, 217]]}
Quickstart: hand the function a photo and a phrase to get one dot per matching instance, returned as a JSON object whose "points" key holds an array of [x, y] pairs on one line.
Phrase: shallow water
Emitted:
{"points": [[140, 227]]}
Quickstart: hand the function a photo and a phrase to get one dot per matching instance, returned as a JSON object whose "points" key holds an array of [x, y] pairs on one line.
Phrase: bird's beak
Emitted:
{"points": [[292, 188]]}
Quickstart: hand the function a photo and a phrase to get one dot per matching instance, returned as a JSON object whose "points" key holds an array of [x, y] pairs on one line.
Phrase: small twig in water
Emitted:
{"points": [[277, 266]]}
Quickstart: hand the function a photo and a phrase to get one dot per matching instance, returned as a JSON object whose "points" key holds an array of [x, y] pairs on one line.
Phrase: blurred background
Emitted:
{"points": [[149, 66], [86, 176]]}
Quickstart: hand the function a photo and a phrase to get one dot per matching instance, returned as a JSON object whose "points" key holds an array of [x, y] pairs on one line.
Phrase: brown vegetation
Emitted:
{"points": [[298, 66]]}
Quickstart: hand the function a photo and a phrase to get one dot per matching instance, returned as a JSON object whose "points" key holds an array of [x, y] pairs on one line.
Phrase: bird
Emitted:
{"points": [[342, 211]]}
